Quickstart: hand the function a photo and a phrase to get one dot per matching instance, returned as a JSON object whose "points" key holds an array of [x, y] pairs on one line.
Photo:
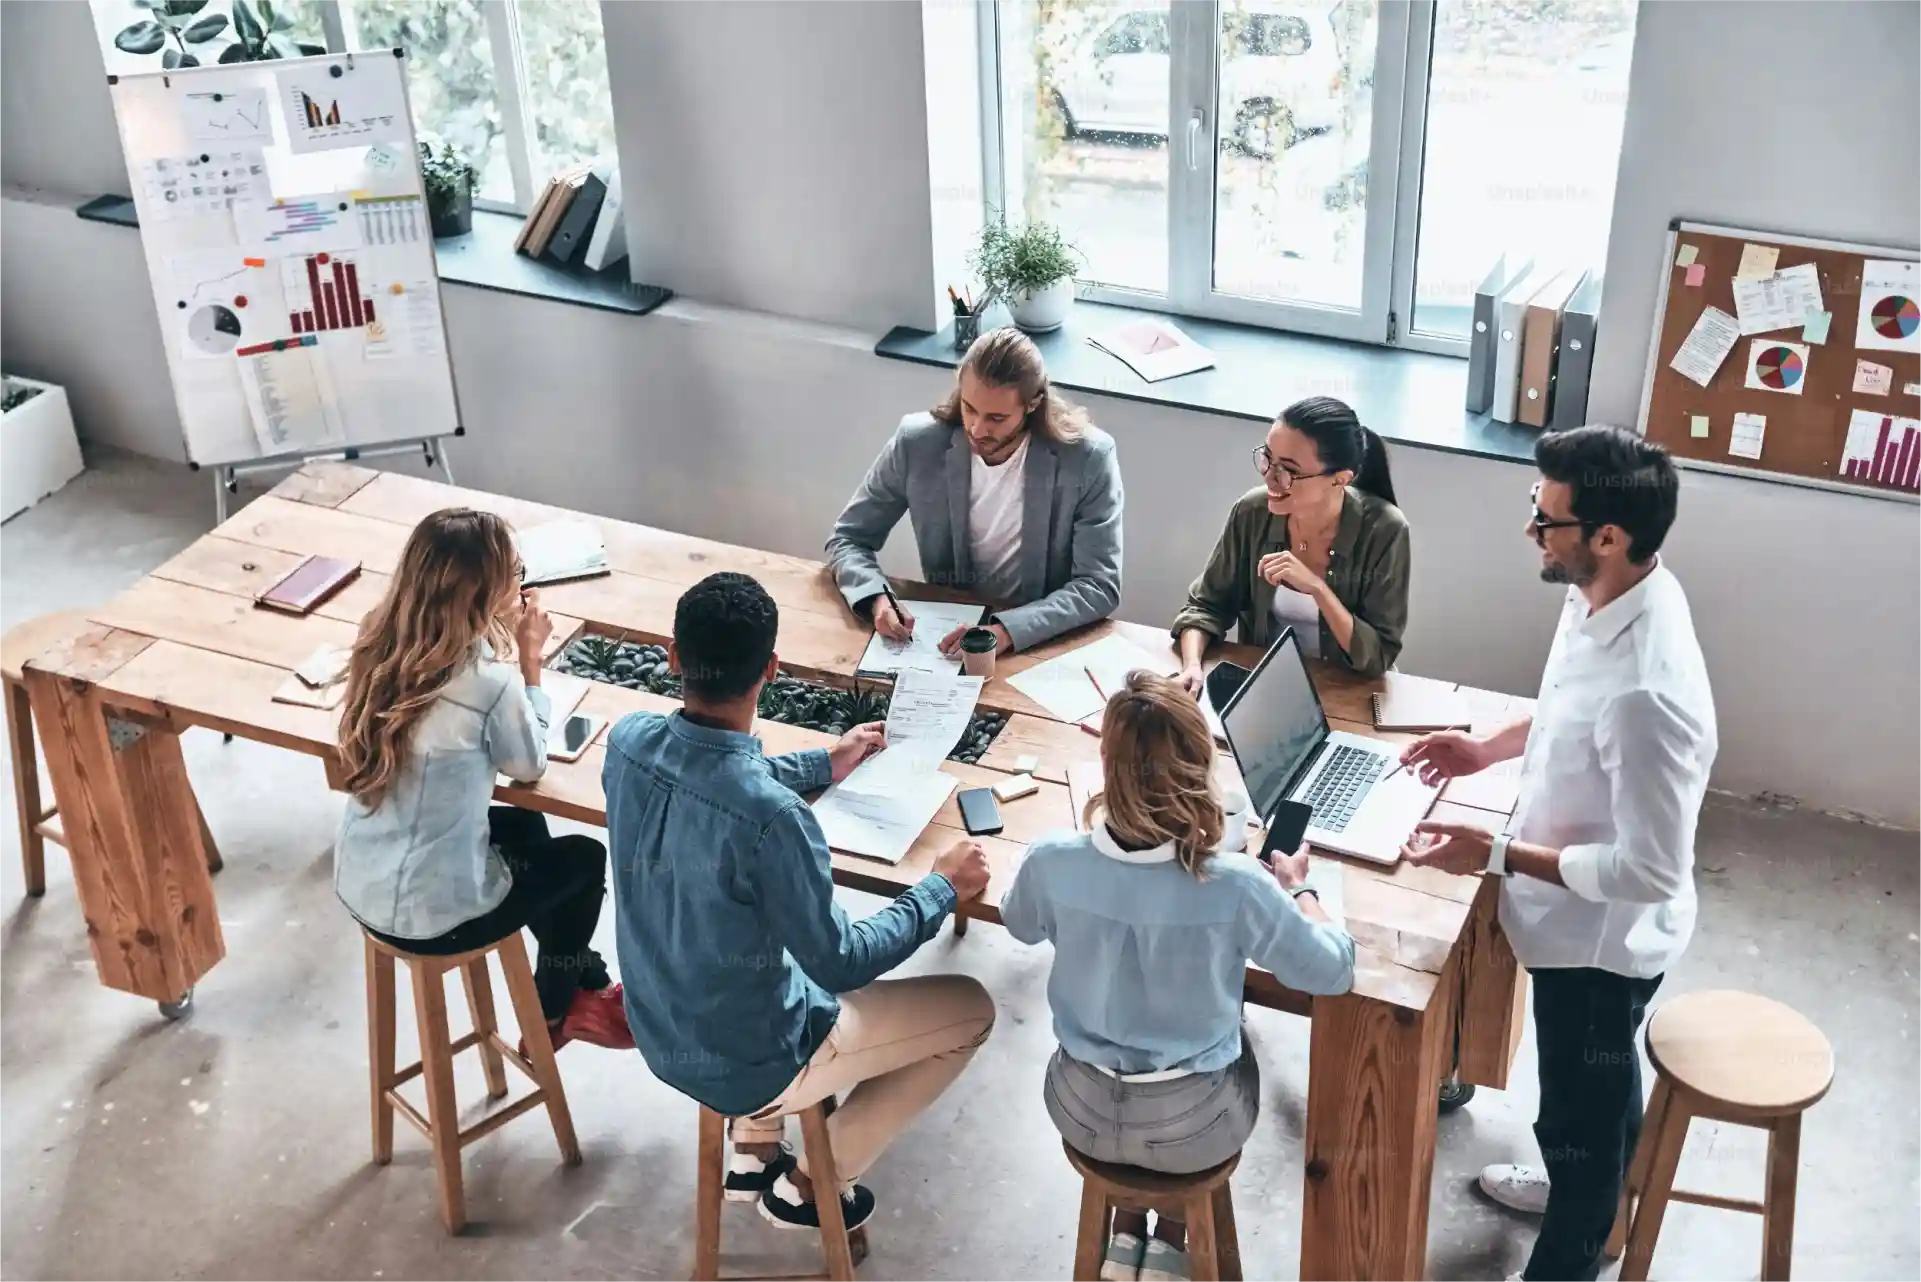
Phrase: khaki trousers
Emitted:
{"points": [[897, 1045]]}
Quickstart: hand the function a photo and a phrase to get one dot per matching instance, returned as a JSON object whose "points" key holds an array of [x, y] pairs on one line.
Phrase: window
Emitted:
{"points": [[1226, 158]]}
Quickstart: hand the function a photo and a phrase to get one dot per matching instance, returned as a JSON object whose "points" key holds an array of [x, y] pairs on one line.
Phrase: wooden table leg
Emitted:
{"points": [[1372, 1070], [1493, 1005], [132, 826]]}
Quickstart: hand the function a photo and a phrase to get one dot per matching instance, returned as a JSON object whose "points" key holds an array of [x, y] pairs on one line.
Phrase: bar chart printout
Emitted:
{"points": [[1882, 448], [323, 293]]}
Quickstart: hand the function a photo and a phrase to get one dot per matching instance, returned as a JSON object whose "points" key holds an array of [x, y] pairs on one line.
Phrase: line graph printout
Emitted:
{"points": [[228, 117]]}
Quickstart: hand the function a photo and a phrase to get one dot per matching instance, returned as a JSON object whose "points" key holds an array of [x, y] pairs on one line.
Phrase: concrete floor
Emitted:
{"points": [[234, 1144]]}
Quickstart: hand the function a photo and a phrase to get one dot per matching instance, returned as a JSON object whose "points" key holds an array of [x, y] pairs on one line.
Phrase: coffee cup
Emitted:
{"points": [[978, 647]]}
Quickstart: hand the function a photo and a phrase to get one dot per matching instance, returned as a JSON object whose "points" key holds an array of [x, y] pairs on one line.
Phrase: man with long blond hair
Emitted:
{"points": [[1014, 495], [1154, 915]]}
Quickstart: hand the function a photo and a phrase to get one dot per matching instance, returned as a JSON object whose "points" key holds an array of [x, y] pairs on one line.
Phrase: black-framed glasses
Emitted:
{"points": [[1542, 523], [1264, 464]]}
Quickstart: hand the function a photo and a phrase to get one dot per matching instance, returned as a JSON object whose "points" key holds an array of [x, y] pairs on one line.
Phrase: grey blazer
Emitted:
{"points": [[1070, 525]]}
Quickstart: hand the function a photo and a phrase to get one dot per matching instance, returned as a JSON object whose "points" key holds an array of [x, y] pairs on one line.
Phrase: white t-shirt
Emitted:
{"points": [[994, 507], [1298, 610]]}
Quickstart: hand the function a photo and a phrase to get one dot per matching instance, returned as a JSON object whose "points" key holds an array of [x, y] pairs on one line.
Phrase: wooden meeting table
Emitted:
{"points": [[1436, 984]]}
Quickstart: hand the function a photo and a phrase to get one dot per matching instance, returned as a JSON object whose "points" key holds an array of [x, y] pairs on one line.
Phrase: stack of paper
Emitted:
{"points": [[561, 550], [1062, 685], [921, 652], [881, 809], [1153, 349]]}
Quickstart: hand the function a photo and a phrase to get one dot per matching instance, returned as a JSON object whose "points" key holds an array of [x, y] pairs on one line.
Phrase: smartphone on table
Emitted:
{"points": [[980, 813], [573, 736]]}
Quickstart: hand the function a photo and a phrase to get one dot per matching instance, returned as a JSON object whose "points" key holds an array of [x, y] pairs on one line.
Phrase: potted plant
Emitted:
{"points": [[257, 38], [450, 178], [1030, 268], [38, 450]]}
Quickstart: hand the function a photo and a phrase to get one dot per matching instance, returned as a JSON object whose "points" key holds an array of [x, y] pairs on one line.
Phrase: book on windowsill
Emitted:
{"points": [[1153, 349]]}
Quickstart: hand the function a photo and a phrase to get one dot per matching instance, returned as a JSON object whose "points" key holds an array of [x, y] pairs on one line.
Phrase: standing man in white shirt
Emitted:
{"points": [[1598, 900], [1014, 495]]}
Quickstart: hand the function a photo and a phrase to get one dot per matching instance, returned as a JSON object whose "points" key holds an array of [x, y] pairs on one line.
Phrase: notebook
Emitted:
{"points": [[319, 682], [308, 584], [559, 551], [1419, 705]]}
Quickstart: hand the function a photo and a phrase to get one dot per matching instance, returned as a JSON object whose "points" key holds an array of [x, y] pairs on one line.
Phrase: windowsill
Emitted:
{"points": [[485, 258], [1410, 398]]}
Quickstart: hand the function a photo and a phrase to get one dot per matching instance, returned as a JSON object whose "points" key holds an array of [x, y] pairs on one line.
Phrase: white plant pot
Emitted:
{"points": [[1039, 312], [38, 450]]}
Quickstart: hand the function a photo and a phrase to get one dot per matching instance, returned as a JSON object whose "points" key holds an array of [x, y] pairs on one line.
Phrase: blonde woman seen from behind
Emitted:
{"points": [[433, 711], [1152, 932]]}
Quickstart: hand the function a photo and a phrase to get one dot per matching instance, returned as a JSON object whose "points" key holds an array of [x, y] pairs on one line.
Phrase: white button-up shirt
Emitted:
{"points": [[1614, 775]]}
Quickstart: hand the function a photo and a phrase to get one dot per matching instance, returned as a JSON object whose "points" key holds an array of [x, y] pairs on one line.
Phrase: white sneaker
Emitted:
{"points": [[1519, 1188]]}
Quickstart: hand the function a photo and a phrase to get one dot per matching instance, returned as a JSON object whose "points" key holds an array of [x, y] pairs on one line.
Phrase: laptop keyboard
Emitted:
{"points": [[1342, 785]]}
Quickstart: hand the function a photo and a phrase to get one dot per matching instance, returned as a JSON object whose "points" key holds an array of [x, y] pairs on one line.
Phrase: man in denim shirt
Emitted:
{"points": [[748, 988]]}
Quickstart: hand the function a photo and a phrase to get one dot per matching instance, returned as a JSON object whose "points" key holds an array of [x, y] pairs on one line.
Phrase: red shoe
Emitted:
{"points": [[599, 1017]]}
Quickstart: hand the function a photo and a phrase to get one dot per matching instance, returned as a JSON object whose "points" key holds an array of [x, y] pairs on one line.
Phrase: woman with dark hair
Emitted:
{"points": [[1319, 547]]}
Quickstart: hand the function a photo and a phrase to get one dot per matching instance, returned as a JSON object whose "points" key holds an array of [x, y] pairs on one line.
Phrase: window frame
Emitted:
{"points": [[1396, 152], [524, 161]]}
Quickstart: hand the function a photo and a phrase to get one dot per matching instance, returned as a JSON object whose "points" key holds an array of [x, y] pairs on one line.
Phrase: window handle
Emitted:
{"points": [[1194, 139]]}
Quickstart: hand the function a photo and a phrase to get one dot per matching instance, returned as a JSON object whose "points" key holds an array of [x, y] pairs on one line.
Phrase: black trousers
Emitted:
{"points": [[559, 883], [1585, 1021]]}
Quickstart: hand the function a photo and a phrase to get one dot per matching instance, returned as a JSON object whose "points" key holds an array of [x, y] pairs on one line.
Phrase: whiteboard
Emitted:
{"points": [[285, 225]]}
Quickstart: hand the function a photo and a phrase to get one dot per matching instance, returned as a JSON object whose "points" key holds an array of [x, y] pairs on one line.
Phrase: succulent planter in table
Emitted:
{"points": [[789, 700]]}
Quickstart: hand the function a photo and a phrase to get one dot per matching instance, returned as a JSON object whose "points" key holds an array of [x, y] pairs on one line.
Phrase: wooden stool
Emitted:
{"points": [[1729, 1057], [842, 1249], [441, 1125], [39, 821], [1203, 1199]]}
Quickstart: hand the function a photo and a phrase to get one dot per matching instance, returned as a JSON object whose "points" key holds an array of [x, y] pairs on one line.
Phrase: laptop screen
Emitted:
{"points": [[1276, 724]]}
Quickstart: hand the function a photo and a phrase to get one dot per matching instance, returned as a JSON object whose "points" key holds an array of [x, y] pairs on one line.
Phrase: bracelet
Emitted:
{"points": [[1298, 891]]}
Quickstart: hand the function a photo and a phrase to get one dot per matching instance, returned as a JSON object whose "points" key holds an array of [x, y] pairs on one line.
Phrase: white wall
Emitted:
{"points": [[754, 429], [55, 115]]}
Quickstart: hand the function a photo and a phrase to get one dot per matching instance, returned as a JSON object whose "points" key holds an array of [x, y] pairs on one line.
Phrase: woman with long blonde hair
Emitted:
{"points": [[443, 694], [1153, 924]]}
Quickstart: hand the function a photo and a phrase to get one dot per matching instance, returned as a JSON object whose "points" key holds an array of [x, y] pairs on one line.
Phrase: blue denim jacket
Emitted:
{"points": [[731, 944]]}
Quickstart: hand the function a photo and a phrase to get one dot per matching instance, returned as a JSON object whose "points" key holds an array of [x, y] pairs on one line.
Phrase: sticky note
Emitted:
{"points": [[1687, 256], [1697, 273], [1758, 260], [1699, 423], [1814, 328], [1911, 389], [1871, 379]]}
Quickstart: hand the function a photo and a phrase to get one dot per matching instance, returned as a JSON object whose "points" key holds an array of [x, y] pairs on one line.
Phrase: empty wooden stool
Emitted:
{"points": [[842, 1249], [441, 1125], [1203, 1199], [1729, 1057]]}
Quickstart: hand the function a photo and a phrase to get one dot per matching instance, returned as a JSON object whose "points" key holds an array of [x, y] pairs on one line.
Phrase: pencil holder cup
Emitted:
{"points": [[966, 330]]}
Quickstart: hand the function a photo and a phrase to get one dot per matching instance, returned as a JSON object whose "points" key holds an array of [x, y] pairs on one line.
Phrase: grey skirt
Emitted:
{"points": [[1177, 1126]]}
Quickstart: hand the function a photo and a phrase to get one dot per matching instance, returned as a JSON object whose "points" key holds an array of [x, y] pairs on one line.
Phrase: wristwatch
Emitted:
{"points": [[1497, 856], [1298, 891]]}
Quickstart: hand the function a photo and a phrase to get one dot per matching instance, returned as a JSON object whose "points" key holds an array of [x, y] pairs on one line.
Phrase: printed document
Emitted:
{"points": [[1706, 346], [932, 621], [879, 812], [927, 717], [1061, 684]]}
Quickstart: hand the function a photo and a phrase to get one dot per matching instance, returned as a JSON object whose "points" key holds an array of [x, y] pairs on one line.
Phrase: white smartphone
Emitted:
{"points": [[572, 737]]}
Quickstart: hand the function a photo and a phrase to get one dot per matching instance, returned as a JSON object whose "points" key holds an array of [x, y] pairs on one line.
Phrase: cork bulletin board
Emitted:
{"points": [[1835, 410]]}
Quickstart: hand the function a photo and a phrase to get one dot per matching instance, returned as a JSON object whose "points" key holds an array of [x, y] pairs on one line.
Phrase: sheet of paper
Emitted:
{"points": [[560, 550], [1061, 684], [335, 104], [1749, 429], [1697, 274], [925, 719], [1686, 257], [1758, 260], [1775, 365], [1911, 389], [1884, 448], [920, 652], [315, 224], [1873, 380], [227, 117], [208, 182], [215, 303], [1697, 425], [1706, 346], [880, 813], [1780, 301], [290, 394], [1890, 315], [1815, 325]]}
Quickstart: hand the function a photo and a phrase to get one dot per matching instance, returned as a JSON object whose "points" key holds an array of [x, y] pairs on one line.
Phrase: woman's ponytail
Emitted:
{"points": [[1374, 476]]}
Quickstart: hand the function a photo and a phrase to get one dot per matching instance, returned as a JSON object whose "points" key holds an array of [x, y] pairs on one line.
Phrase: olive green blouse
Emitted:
{"points": [[1368, 572]]}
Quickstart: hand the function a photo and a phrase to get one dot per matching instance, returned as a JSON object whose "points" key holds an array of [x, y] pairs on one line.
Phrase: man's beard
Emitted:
{"points": [[1579, 574]]}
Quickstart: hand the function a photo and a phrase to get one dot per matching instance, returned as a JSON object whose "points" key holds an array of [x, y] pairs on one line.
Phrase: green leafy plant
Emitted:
{"points": [[448, 173], [257, 38], [16, 394], [1011, 261]]}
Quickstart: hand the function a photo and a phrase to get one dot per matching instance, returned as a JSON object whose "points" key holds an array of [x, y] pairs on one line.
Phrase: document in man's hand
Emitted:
{"points": [[921, 652], [559, 551], [881, 813], [925, 719]]}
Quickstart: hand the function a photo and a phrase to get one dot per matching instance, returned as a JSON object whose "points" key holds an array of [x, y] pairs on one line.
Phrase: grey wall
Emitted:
{"points": [[56, 121], [754, 428]]}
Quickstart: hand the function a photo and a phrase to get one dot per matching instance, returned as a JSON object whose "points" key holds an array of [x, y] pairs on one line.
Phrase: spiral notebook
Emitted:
{"points": [[1420, 705]]}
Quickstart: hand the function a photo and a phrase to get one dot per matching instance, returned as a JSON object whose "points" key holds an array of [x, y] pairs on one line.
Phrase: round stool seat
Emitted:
{"points": [[1741, 1050], [1135, 1181], [34, 637]]}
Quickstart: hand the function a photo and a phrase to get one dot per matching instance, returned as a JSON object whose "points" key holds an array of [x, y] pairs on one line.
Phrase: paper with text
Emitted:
{"points": [[1758, 260], [1780, 301], [1873, 380], [1889, 319], [920, 652], [1706, 346], [1061, 684], [927, 716], [881, 814], [1749, 431]]}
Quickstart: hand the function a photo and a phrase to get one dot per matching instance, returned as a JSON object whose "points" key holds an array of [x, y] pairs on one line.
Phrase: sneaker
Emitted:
{"points": [[1519, 1188], [1163, 1262], [781, 1207], [598, 1016], [1123, 1259], [749, 1176]]}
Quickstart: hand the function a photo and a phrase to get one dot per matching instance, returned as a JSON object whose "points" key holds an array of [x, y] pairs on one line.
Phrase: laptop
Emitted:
{"points": [[1287, 752]]}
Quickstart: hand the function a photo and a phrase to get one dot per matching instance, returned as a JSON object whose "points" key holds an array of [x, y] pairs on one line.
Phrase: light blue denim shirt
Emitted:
{"points": [[420, 863], [731, 945], [1149, 959]]}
